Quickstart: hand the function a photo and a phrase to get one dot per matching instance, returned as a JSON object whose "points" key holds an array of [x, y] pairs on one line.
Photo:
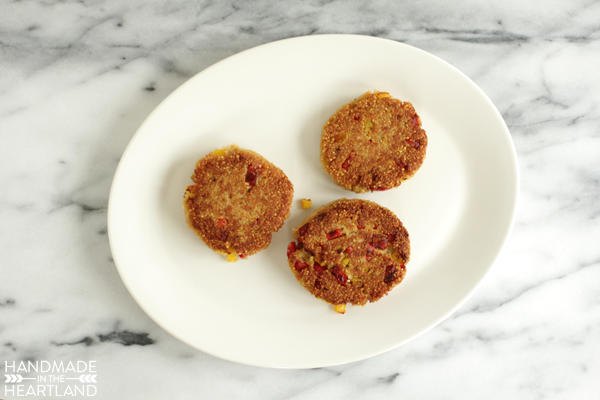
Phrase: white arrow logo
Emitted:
{"points": [[86, 378], [14, 378]]}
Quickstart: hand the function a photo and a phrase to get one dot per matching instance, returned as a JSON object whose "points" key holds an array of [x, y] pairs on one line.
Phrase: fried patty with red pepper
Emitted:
{"points": [[350, 251], [375, 142], [238, 200]]}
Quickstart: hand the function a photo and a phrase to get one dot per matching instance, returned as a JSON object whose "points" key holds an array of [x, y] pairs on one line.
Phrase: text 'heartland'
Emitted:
{"points": [[50, 378]]}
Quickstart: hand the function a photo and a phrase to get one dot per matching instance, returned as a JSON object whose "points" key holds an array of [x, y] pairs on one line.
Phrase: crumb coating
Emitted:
{"points": [[375, 142], [350, 251], [238, 200]]}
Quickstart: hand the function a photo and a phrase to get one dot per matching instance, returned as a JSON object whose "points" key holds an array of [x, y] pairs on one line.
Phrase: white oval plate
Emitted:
{"points": [[274, 99]]}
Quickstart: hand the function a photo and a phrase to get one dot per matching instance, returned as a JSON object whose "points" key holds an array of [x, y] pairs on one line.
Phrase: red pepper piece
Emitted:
{"points": [[348, 250], [243, 255], [390, 270], [414, 143], [303, 229], [291, 249], [370, 250], [346, 163], [319, 268], [252, 175], [382, 189], [380, 242], [222, 222], [318, 284], [223, 237], [299, 265], [415, 120], [340, 276], [336, 233]]}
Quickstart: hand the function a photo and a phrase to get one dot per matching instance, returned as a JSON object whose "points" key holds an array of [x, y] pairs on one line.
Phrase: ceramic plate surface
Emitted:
{"points": [[274, 99]]}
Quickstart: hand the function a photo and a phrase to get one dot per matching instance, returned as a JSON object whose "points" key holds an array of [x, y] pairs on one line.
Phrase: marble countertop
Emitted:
{"points": [[77, 78]]}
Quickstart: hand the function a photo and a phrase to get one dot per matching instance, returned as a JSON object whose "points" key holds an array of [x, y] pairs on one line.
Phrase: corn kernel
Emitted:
{"points": [[345, 261], [357, 282], [368, 125], [231, 258], [219, 153], [306, 203], [340, 308], [381, 95], [340, 136], [188, 193], [231, 250]]}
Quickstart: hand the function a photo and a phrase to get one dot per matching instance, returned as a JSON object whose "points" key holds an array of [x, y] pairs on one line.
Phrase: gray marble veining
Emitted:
{"points": [[77, 78]]}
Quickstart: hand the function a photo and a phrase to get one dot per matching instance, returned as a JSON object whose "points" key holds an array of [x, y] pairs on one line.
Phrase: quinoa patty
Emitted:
{"points": [[375, 142], [238, 200], [350, 251]]}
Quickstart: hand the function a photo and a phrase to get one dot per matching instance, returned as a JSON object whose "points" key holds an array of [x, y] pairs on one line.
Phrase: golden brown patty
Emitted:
{"points": [[373, 143], [238, 200], [350, 251]]}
